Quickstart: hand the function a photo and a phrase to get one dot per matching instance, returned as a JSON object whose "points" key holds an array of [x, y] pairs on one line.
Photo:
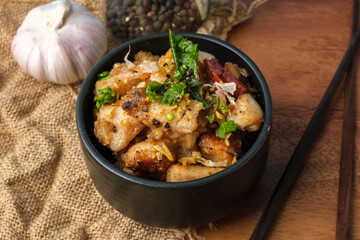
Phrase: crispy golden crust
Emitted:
{"points": [[216, 149], [134, 103], [145, 159]]}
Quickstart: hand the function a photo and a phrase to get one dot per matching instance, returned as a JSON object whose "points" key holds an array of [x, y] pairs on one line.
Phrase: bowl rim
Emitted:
{"points": [[261, 139]]}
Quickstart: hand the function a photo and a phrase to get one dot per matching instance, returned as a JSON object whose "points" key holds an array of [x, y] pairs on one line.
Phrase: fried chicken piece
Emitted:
{"points": [[115, 128], [216, 149], [149, 159]]}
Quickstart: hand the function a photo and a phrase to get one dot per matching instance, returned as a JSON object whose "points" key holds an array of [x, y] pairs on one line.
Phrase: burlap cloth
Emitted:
{"points": [[45, 188]]}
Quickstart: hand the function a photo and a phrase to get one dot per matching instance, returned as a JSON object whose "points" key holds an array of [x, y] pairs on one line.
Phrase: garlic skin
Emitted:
{"points": [[59, 42]]}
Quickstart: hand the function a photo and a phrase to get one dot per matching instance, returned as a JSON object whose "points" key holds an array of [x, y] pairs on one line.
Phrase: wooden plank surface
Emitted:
{"points": [[298, 45]]}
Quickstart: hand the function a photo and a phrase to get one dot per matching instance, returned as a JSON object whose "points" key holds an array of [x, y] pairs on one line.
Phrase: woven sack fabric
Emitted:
{"points": [[45, 188]]}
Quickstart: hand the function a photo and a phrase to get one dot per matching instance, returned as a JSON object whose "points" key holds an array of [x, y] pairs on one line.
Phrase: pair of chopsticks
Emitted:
{"points": [[347, 153], [347, 146]]}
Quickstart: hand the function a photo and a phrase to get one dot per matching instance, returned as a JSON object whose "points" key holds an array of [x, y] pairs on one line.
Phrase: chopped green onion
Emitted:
{"points": [[170, 116]]}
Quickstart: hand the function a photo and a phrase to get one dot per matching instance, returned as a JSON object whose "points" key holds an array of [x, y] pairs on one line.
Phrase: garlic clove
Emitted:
{"points": [[59, 42]]}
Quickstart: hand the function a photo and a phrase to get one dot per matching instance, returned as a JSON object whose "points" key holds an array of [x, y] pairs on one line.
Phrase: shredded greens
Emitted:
{"points": [[225, 127], [106, 95], [211, 118], [185, 54], [219, 104]]}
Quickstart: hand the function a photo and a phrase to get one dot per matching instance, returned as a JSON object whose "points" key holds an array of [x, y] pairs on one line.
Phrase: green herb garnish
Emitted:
{"points": [[225, 127], [104, 75], [106, 95], [185, 55], [173, 94], [153, 89], [174, 49]]}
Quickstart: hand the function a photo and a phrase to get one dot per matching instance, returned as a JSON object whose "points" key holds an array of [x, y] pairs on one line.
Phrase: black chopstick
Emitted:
{"points": [[347, 146], [295, 163]]}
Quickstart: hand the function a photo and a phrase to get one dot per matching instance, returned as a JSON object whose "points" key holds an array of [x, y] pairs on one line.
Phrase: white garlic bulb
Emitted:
{"points": [[59, 42]]}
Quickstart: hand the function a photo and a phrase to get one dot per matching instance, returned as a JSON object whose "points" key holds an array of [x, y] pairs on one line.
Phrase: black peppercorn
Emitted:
{"points": [[127, 105], [129, 19], [156, 123]]}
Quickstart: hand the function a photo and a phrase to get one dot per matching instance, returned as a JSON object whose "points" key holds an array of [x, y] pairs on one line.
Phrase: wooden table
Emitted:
{"points": [[298, 45]]}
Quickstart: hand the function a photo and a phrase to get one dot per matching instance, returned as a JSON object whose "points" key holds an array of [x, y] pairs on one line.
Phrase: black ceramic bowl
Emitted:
{"points": [[182, 204]]}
